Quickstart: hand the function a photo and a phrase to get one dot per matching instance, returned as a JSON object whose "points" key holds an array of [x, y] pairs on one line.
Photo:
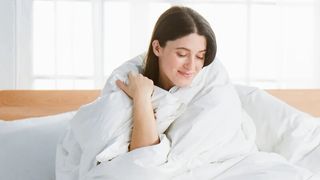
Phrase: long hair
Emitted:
{"points": [[175, 23]]}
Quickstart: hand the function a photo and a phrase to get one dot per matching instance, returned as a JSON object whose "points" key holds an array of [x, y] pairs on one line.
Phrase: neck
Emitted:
{"points": [[164, 85]]}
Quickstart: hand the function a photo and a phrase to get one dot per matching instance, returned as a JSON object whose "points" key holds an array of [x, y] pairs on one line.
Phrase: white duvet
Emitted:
{"points": [[204, 134]]}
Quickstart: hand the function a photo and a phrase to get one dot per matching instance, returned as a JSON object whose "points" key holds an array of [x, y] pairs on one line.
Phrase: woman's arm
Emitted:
{"points": [[144, 132]]}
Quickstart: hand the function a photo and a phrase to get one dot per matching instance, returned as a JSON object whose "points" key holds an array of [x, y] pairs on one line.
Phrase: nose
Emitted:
{"points": [[189, 63]]}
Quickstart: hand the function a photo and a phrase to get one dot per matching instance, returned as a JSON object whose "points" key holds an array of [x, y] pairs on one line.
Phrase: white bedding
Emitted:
{"points": [[210, 138], [28, 147], [101, 130]]}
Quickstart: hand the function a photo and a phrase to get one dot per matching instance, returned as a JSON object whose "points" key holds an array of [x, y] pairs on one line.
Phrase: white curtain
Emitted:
{"points": [[75, 44], [23, 44]]}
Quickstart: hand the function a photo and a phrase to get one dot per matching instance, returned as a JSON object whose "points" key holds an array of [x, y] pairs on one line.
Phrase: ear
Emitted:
{"points": [[156, 47]]}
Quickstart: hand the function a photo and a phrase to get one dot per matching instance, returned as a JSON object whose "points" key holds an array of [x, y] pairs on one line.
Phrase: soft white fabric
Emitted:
{"points": [[210, 136], [264, 166], [28, 147], [102, 128], [283, 129], [105, 124]]}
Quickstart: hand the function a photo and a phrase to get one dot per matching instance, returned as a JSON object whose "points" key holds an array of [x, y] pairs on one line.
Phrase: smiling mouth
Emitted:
{"points": [[186, 74]]}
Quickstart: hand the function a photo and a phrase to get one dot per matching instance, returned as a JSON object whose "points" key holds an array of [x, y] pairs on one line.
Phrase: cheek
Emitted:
{"points": [[167, 66], [173, 63], [199, 66]]}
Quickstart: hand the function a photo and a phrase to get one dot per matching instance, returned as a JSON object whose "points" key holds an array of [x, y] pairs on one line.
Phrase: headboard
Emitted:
{"points": [[18, 104]]}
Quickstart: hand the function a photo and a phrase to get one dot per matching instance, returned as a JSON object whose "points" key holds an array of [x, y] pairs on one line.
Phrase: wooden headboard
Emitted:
{"points": [[307, 100], [18, 104]]}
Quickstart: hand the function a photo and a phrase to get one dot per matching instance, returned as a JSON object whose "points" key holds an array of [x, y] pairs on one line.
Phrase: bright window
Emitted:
{"points": [[265, 43]]}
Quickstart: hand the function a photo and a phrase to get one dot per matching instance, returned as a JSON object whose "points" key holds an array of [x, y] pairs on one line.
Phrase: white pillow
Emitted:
{"points": [[281, 128], [28, 146]]}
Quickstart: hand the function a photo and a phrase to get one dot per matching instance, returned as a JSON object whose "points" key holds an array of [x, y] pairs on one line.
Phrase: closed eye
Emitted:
{"points": [[181, 55], [200, 57]]}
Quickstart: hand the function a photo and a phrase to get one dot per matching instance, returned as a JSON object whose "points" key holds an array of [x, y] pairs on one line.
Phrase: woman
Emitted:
{"points": [[182, 44], [178, 115]]}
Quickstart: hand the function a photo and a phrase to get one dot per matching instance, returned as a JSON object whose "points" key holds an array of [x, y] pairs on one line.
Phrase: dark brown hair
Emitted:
{"points": [[175, 23]]}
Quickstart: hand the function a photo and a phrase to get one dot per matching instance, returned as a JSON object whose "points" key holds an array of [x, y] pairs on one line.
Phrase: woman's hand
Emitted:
{"points": [[138, 86], [144, 130]]}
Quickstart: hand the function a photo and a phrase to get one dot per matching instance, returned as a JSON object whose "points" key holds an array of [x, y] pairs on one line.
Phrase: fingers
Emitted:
{"points": [[138, 85], [126, 87], [122, 86], [132, 74]]}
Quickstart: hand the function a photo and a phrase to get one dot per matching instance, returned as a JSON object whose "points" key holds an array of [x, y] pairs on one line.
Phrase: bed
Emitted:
{"points": [[20, 104], [32, 121]]}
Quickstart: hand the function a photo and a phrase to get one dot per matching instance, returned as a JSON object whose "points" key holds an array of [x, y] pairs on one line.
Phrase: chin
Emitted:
{"points": [[183, 83]]}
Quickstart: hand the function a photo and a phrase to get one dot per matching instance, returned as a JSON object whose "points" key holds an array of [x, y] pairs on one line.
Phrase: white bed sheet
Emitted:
{"points": [[28, 147]]}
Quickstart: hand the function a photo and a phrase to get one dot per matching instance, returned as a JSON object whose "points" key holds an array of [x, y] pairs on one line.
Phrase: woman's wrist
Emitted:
{"points": [[141, 96]]}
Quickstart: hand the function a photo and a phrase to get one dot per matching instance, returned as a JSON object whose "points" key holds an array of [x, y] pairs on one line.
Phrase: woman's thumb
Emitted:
{"points": [[122, 86]]}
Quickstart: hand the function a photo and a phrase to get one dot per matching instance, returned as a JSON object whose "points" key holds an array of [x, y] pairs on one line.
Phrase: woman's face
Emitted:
{"points": [[180, 60]]}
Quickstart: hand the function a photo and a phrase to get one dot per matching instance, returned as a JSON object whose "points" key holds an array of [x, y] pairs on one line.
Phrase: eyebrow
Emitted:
{"points": [[189, 49]]}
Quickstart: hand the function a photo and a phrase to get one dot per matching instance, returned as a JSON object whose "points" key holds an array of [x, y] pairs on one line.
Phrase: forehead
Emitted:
{"points": [[192, 42]]}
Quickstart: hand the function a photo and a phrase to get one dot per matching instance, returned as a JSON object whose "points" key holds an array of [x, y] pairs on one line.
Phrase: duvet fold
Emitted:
{"points": [[202, 131]]}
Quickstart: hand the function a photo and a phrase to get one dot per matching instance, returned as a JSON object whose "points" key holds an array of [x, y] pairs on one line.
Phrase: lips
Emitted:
{"points": [[186, 74]]}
